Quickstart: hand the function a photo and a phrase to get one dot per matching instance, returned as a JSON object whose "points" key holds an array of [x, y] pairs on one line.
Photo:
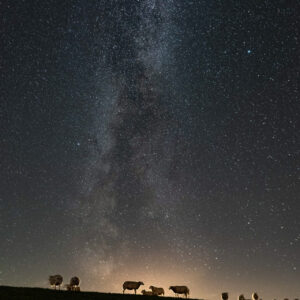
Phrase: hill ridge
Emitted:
{"points": [[30, 293]]}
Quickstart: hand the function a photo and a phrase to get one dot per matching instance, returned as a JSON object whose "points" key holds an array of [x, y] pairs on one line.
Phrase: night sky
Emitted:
{"points": [[152, 140]]}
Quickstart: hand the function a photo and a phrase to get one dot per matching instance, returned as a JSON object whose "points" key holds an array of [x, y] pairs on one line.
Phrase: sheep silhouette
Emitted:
{"points": [[157, 290], [147, 293], [180, 289], [132, 285]]}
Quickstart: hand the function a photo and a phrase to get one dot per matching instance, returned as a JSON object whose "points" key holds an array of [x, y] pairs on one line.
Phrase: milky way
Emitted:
{"points": [[151, 140]]}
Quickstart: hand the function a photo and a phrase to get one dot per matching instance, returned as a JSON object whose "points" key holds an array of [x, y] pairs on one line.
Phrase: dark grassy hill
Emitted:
{"points": [[20, 293]]}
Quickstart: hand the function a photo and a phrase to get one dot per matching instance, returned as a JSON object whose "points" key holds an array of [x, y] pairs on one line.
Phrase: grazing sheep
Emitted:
{"points": [[132, 285], [147, 293], [157, 290], [55, 280], [180, 290]]}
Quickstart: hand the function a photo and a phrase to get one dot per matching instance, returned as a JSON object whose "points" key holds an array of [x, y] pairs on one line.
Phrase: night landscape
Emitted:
{"points": [[150, 146]]}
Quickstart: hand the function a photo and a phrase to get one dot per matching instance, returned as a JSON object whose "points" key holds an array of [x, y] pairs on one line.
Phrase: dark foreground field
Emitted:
{"points": [[18, 293]]}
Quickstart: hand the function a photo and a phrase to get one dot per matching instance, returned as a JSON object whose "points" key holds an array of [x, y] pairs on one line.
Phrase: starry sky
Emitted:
{"points": [[153, 140]]}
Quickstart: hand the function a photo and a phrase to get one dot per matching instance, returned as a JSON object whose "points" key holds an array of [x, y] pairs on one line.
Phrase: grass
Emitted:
{"points": [[21, 293]]}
